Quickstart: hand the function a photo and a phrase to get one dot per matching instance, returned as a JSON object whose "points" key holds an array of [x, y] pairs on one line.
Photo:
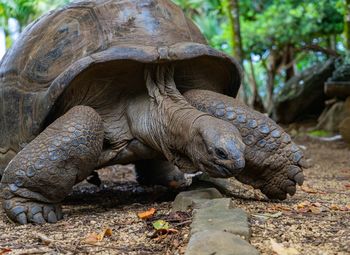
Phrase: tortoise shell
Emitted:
{"points": [[59, 47]]}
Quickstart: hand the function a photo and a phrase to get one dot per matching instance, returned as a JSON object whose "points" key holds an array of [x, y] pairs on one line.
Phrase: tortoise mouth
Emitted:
{"points": [[218, 170]]}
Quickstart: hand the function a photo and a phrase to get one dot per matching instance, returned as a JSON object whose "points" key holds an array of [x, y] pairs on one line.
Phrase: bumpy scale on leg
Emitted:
{"points": [[273, 162], [44, 172]]}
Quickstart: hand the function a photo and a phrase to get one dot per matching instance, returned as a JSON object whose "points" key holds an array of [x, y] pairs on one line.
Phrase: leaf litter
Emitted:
{"points": [[324, 231], [316, 220]]}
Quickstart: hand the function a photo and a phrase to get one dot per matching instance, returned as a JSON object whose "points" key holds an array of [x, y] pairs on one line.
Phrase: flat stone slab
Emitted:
{"points": [[209, 242], [219, 215], [186, 199], [223, 185]]}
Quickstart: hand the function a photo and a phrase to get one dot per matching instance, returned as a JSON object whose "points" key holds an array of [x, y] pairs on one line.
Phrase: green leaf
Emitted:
{"points": [[161, 224]]}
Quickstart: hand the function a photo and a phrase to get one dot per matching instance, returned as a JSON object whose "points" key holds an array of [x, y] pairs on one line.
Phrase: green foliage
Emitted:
{"points": [[293, 22], [24, 11], [267, 26], [210, 17], [319, 133]]}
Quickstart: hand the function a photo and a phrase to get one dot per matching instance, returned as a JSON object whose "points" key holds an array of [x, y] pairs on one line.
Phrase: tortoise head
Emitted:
{"points": [[216, 147]]}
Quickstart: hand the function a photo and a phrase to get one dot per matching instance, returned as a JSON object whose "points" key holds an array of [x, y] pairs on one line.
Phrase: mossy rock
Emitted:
{"points": [[344, 129]]}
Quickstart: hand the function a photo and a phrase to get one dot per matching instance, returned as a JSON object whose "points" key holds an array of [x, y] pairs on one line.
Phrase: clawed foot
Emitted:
{"points": [[278, 174], [24, 211], [275, 184], [283, 183]]}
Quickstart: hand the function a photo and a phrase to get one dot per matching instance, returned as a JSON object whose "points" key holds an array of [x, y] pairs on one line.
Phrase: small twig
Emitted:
{"points": [[182, 223]]}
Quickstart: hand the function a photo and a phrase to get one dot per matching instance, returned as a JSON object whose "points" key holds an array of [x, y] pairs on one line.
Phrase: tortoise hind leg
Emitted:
{"points": [[160, 172], [41, 175]]}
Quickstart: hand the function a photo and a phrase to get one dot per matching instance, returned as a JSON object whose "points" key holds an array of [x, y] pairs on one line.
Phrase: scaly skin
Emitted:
{"points": [[44, 172], [70, 149], [273, 162]]}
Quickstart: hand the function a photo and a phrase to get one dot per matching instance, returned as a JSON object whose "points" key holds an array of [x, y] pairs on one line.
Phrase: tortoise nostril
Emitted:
{"points": [[239, 164]]}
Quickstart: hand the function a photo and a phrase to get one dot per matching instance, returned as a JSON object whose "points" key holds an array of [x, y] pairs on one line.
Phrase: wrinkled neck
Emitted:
{"points": [[165, 124]]}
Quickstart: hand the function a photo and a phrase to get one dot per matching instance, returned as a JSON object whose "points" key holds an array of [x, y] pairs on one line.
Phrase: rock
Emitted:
{"points": [[303, 95], [339, 89], [216, 242], [186, 199], [223, 185], [344, 129], [338, 85], [331, 117], [219, 214], [347, 106]]}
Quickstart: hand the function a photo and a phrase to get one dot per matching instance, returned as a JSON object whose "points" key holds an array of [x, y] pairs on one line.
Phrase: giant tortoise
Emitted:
{"points": [[106, 82]]}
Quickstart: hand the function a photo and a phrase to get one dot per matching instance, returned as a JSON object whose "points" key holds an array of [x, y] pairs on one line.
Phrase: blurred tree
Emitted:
{"points": [[279, 32], [273, 39], [347, 24], [231, 8], [24, 12]]}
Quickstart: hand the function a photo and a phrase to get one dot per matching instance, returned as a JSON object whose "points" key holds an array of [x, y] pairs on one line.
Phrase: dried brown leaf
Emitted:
{"points": [[44, 239], [303, 204], [279, 249], [147, 214], [4, 250], [315, 209], [307, 206], [94, 238], [335, 207]]}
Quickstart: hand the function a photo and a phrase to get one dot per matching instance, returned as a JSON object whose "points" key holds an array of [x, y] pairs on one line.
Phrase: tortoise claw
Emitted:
{"points": [[22, 218], [38, 218], [299, 178], [23, 211]]}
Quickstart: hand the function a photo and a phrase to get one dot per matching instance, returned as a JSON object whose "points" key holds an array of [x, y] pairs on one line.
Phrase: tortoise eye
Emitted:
{"points": [[221, 153]]}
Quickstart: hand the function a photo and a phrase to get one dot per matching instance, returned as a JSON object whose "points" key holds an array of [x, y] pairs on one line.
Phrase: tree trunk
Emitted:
{"points": [[275, 62], [269, 89], [256, 101], [236, 31], [347, 24], [289, 62], [232, 11]]}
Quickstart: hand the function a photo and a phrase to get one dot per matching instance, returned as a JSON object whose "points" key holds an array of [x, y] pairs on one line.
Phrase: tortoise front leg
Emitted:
{"points": [[41, 175], [273, 162]]}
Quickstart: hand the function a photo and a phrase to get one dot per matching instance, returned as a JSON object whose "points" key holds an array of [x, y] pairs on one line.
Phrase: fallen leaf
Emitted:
{"points": [[315, 209], [303, 204], [307, 206], [161, 225], [94, 238], [4, 250], [147, 214], [281, 250], [311, 190], [44, 239], [162, 228], [173, 230], [334, 207]]}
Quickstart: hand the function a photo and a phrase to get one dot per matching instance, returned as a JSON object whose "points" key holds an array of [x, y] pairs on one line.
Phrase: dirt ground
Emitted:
{"points": [[315, 221]]}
